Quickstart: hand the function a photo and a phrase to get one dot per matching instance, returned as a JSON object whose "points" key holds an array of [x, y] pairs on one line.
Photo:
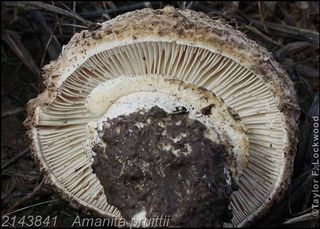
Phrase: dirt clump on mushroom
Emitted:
{"points": [[163, 164]]}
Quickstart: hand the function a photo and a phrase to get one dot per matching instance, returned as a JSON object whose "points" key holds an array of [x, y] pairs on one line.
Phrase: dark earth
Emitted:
{"points": [[139, 169]]}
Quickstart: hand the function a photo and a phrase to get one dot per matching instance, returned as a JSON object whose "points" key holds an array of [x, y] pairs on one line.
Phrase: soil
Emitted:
{"points": [[153, 161]]}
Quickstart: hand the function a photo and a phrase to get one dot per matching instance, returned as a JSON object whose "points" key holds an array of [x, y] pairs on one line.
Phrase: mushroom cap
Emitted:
{"points": [[174, 44]]}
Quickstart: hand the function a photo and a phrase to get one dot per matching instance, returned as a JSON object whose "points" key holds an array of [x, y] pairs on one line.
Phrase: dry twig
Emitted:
{"points": [[26, 197], [14, 159], [12, 111], [54, 9]]}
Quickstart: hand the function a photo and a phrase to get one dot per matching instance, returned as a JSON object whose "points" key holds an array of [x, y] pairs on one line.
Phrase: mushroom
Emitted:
{"points": [[167, 58]]}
